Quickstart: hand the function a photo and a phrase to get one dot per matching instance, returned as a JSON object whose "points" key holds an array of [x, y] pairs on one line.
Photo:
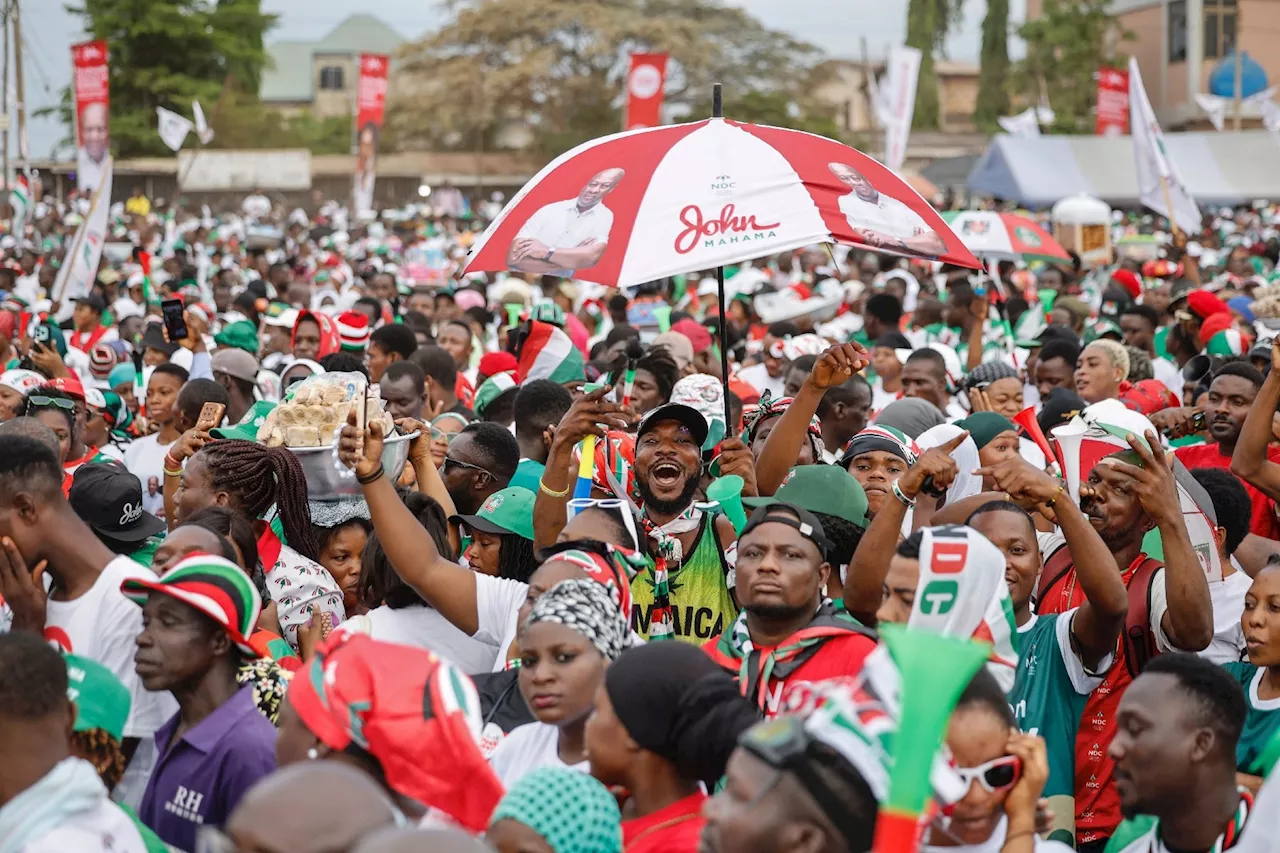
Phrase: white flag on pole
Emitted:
{"points": [[1025, 124], [1215, 106], [173, 128], [80, 268], [1158, 177], [898, 103], [203, 131]]}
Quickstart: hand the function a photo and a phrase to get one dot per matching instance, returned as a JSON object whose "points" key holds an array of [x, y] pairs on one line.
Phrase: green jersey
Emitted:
{"points": [[1049, 692], [528, 475], [1263, 720]]}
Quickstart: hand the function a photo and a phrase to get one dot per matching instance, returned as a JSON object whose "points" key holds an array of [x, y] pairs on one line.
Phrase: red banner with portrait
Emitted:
{"points": [[92, 90], [645, 81], [1112, 111], [371, 100]]}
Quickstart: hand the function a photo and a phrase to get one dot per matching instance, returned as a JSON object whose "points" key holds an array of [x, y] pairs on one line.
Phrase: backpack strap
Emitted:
{"points": [[1139, 640], [1055, 569]]}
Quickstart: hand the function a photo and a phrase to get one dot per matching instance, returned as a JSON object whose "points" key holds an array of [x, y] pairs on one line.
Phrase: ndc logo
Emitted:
{"points": [[939, 597]]}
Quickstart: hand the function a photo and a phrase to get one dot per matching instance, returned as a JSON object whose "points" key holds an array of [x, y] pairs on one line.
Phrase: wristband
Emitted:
{"points": [[547, 490], [372, 477], [900, 495], [1054, 500], [171, 461], [172, 473]]}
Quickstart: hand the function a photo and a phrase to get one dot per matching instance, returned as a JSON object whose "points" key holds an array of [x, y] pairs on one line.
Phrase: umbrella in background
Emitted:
{"points": [[1005, 236]]}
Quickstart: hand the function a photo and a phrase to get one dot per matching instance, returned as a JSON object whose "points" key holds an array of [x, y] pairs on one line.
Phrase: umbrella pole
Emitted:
{"points": [[717, 111]]}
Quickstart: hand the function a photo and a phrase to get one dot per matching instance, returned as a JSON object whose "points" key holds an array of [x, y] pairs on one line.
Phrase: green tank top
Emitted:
{"points": [[701, 605], [1262, 721]]}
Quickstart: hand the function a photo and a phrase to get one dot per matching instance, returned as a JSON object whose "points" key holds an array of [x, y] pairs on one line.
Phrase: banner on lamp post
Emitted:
{"points": [[1111, 112], [371, 100], [645, 81], [898, 103], [92, 90]]}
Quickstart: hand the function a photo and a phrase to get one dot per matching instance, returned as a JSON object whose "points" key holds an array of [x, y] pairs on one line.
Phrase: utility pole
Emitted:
{"points": [[867, 88], [4, 84], [21, 91]]}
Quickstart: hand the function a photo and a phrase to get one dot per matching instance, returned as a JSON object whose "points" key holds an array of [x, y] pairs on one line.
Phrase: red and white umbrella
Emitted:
{"points": [[645, 204], [1005, 235]]}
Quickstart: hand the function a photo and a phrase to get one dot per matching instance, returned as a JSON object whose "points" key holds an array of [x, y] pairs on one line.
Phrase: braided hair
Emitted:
{"points": [[260, 477], [102, 751], [515, 558]]}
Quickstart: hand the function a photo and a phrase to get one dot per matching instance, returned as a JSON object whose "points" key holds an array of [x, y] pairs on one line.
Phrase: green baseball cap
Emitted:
{"points": [[507, 511], [493, 388], [239, 335], [826, 489], [247, 427], [102, 701]]}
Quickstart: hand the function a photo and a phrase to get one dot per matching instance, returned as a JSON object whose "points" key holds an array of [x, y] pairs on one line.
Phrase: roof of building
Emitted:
{"points": [[288, 76]]}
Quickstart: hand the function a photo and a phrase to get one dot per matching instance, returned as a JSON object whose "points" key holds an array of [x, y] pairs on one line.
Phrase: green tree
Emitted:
{"points": [[929, 22], [993, 73], [1066, 46], [558, 68], [167, 53]]}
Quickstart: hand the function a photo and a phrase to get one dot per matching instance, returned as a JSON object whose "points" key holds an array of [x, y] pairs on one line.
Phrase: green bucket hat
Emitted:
{"points": [[239, 335], [102, 701], [826, 489], [506, 511], [247, 427]]}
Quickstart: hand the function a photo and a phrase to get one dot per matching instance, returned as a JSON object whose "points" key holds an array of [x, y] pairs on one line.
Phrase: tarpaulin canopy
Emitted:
{"points": [[1218, 168]]}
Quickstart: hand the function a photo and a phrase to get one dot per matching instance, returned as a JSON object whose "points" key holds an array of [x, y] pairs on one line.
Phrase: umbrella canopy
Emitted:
{"points": [[645, 204], [1005, 235]]}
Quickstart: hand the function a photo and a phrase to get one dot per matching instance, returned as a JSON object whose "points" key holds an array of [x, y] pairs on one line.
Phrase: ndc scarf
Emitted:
{"points": [[758, 668], [668, 554], [72, 787]]}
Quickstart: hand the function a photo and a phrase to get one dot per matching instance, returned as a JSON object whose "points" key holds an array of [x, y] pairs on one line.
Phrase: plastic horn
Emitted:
{"points": [[1027, 420], [662, 313], [586, 465], [934, 670], [513, 315], [1069, 437], [727, 491]]}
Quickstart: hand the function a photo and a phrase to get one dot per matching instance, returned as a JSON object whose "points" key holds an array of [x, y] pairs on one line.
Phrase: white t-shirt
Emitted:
{"points": [[560, 225], [145, 458], [498, 602], [757, 376], [1227, 596], [885, 215], [422, 626], [102, 625], [526, 749], [995, 842], [105, 828]]}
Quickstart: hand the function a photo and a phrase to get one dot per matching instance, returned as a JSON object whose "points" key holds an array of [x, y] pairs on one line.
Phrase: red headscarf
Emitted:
{"points": [[417, 714], [330, 340], [1148, 396]]}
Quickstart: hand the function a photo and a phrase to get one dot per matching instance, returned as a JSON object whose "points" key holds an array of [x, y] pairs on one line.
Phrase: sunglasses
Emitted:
{"points": [[450, 462], [42, 402], [621, 508], [994, 776], [438, 434]]}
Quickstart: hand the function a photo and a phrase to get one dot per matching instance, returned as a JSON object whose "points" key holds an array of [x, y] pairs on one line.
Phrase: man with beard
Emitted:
{"points": [[1126, 495], [787, 632], [686, 593], [1175, 759]]}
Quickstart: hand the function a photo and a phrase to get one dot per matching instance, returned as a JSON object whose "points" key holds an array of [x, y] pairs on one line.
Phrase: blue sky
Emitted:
{"points": [[49, 33]]}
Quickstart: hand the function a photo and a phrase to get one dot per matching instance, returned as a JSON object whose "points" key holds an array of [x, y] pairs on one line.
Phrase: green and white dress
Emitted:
{"points": [[1263, 720]]}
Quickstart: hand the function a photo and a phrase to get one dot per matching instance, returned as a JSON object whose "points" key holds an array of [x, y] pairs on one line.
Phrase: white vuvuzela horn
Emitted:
{"points": [[1069, 437]]}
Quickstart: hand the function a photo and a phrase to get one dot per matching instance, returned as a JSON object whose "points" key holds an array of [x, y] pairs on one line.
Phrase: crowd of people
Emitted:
{"points": [[359, 557]]}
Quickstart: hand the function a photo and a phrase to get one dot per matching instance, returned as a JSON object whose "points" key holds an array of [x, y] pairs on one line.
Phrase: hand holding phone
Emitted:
{"points": [[175, 323], [210, 416]]}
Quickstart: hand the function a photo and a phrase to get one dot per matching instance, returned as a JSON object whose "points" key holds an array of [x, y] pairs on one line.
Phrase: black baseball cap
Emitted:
{"points": [[94, 301], [1058, 408], [792, 516], [686, 415], [1052, 332], [109, 499]]}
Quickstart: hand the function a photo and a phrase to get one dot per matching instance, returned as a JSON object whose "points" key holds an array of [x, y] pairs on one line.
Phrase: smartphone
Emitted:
{"points": [[210, 416], [361, 399], [40, 335], [174, 321]]}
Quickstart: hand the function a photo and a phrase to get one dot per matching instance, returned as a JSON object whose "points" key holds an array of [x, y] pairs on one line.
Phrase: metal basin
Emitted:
{"points": [[325, 474]]}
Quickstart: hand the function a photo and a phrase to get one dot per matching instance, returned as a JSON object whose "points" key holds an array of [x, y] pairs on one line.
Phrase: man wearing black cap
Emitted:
{"points": [[87, 319], [787, 632], [687, 594], [109, 499]]}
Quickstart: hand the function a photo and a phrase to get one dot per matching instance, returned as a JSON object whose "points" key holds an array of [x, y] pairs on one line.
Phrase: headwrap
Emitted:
{"points": [[569, 809], [1148, 397], [967, 461], [493, 388], [983, 427], [414, 712], [705, 394], [768, 407], [910, 416], [962, 593], [587, 608], [614, 469], [329, 338], [119, 375], [116, 413], [882, 438], [676, 702], [610, 566], [987, 372]]}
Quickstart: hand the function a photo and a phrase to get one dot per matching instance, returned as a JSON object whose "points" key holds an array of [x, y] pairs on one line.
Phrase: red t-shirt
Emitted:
{"points": [[837, 657], [1263, 519], [674, 829]]}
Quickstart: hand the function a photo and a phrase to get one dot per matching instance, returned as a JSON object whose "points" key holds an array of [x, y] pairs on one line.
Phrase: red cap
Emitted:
{"points": [[67, 384], [695, 332], [1218, 322], [1128, 279], [493, 363], [1205, 305]]}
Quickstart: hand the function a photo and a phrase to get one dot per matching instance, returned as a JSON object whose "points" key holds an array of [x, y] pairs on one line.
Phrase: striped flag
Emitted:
{"points": [[20, 201], [548, 353]]}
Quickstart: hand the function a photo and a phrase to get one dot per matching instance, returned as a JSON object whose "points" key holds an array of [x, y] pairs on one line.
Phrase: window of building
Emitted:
{"points": [[1219, 28], [331, 77], [1177, 11]]}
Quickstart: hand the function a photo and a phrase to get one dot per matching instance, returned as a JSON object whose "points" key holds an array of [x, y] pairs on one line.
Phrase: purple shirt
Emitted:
{"points": [[202, 776]]}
